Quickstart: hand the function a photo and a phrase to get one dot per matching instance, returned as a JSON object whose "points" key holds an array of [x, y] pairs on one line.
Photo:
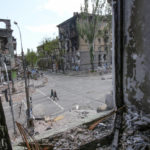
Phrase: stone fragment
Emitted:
{"points": [[36, 133], [101, 108], [48, 128], [46, 119], [109, 101]]}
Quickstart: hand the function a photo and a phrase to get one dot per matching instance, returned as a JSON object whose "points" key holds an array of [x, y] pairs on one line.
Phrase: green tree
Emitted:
{"points": [[49, 52], [31, 57], [89, 23], [50, 46]]}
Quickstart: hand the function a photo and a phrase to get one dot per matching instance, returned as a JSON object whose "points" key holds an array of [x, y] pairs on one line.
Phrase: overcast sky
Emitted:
{"points": [[37, 18]]}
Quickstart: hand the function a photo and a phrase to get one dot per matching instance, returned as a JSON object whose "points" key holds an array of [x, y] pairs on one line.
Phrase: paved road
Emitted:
{"points": [[86, 91]]}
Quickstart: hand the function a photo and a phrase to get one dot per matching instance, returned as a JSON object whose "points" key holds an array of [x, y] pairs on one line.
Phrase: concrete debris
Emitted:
{"points": [[59, 118], [77, 107], [48, 128], [101, 124], [82, 114], [136, 133], [101, 108], [79, 136], [109, 101], [36, 133], [47, 119]]}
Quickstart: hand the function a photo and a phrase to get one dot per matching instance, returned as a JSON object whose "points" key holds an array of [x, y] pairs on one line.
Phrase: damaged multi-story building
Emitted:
{"points": [[7, 46], [76, 49]]}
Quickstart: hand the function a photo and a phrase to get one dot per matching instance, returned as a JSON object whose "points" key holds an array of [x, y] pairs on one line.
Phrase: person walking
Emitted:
{"points": [[52, 94], [55, 96]]}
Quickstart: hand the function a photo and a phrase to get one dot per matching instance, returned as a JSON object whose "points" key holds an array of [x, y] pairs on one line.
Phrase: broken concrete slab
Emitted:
{"points": [[71, 120], [73, 130], [81, 138]]}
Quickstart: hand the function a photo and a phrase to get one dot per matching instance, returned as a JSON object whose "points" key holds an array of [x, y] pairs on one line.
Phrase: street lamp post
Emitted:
{"points": [[29, 120]]}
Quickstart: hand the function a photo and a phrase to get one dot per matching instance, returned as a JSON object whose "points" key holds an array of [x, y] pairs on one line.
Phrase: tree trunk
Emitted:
{"points": [[92, 56]]}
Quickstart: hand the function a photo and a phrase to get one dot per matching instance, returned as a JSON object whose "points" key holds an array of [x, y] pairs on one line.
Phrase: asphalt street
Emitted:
{"points": [[87, 92]]}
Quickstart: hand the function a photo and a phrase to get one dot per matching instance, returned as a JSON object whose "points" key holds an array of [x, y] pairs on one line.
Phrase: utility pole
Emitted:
{"points": [[29, 119]]}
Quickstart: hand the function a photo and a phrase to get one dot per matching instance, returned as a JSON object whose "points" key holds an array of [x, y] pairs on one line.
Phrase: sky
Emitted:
{"points": [[37, 19]]}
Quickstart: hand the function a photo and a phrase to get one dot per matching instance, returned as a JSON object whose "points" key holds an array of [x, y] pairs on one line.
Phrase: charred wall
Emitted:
{"points": [[68, 39], [77, 49], [137, 53], [7, 43], [132, 38]]}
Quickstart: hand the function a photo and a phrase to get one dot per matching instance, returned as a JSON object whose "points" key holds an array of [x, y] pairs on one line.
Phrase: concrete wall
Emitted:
{"points": [[132, 73], [80, 45], [137, 54], [85, 59], [99, 49]]}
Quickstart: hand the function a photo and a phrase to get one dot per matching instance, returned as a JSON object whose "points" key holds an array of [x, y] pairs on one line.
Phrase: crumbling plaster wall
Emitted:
{"points": [[136, 74], [136, 54]]}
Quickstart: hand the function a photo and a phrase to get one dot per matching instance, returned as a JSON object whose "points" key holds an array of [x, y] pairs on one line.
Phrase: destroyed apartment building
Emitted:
{"points": [[76, 49], [7, 47]]}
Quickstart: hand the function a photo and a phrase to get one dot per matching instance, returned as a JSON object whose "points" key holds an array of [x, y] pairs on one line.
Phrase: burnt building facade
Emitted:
{"points": [[7, 45], [77, 50]]}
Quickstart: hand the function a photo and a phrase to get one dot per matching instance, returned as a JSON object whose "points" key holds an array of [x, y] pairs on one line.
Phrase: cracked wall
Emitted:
{"points": [[131, 38], [136, 54], [136, 74]]}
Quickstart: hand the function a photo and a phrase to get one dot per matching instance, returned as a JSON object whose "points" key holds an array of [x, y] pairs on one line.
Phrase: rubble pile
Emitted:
{"points": [[136, 134], [77, 137]]}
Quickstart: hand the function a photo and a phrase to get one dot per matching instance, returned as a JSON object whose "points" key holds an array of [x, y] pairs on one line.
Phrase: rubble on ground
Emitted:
{"points": [[79, 136], [136, 134], [62, 132], [20, 89]]}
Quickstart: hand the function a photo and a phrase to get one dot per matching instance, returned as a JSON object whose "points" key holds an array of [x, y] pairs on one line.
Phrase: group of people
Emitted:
{"points": [[53, 95]]}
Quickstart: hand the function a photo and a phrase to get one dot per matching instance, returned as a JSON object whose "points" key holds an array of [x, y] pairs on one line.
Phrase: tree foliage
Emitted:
{"points": [[49, 47], [31, 57], [48, 53]]}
